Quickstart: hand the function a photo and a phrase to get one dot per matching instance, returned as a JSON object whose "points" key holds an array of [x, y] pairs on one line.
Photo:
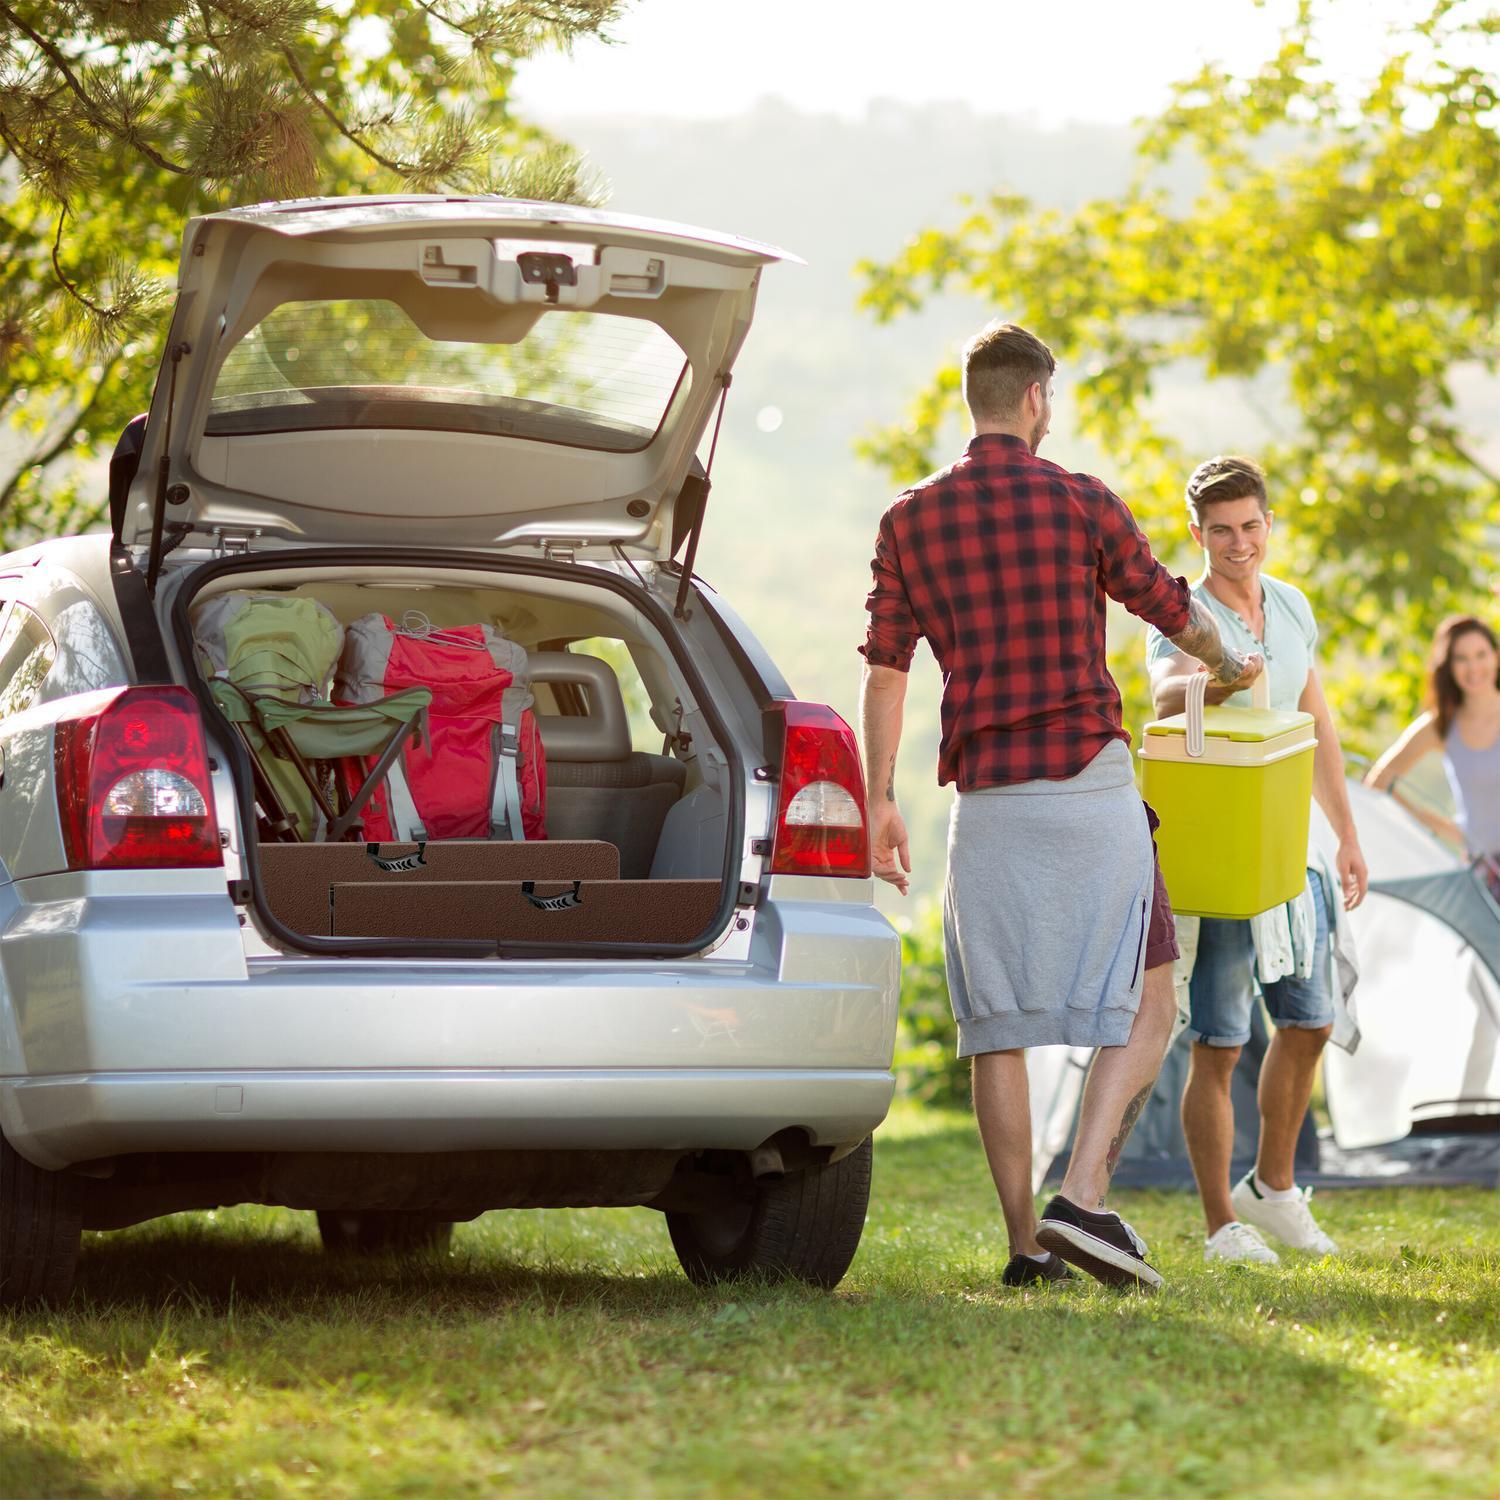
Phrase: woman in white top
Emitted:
{"points": [[1462, 722]]}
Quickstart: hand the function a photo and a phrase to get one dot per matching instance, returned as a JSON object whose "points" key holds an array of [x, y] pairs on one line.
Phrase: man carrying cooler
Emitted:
{"points": [[1231, 520], [1055, 928]]}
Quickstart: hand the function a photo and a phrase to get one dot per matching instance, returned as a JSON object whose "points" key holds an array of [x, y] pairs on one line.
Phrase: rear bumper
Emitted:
{"points": [[128, 1025], [59, 1121]]}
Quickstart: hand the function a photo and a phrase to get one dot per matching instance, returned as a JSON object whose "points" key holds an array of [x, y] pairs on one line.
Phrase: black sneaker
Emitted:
{"points": [[1035, 1270], [1104, 1245]]}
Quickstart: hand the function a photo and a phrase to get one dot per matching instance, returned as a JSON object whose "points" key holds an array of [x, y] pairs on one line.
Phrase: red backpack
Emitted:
{"points": [[478, 769]]}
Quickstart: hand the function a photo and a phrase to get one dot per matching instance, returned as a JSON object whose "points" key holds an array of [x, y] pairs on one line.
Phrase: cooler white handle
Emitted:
{"points": [[1260, 697]]}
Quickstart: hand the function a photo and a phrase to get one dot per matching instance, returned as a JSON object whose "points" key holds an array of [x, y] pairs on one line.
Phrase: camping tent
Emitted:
{"points": [[1428, 1004], [1429, 992]]}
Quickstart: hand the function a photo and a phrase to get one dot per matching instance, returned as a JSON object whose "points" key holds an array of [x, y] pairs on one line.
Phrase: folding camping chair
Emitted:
{"points": [[270, 658]]}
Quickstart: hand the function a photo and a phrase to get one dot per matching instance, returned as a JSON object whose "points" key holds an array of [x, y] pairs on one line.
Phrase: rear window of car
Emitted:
{"points": [[590, 380], [644, 735]]}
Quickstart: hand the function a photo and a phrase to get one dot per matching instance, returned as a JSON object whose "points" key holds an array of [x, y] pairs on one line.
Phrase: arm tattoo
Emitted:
{"points": [[1127, 1124], [890, 785], [1200, 637]]}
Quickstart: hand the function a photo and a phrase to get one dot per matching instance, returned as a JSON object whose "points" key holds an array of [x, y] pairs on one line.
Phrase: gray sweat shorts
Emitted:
{"points": [[1046, 909]]}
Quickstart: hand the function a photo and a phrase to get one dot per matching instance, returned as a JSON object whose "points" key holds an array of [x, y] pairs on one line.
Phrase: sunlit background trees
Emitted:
{"points": [[119, 119], [1334, 269]]}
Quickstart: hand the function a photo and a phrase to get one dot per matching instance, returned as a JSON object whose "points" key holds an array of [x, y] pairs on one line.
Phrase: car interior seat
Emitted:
{"points": [[598, 785]]}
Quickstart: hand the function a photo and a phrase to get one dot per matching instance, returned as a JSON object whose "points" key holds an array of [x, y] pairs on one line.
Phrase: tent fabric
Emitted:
{"points": [[1431, 1047], [1462, 901], [1156, 1153], [1428, 937]]}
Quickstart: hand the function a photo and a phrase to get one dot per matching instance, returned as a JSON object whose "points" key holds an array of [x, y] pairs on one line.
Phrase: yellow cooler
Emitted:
{"points": [[1233, 790]]}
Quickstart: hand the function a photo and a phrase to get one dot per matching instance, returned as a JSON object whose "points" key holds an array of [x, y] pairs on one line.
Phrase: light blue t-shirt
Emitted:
{"points": [[1290, 646]]}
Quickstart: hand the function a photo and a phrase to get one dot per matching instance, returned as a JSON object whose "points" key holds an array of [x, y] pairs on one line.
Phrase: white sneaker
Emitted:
{"points": [[1236, 1241], [1287, 1219]]}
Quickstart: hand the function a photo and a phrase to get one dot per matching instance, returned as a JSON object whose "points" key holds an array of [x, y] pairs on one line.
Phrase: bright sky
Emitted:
{"points": [[1095, 60]]}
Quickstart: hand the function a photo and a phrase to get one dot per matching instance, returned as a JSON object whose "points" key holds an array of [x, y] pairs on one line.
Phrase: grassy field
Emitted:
{"points": [[562, 1353]]}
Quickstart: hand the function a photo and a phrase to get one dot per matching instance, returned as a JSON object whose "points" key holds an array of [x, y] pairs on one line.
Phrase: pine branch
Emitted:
{"points": [[518, 27], [332, 116], [16, 337], [446, 20], [138, 296], [71, 287], [250, 129], [95, 115]]}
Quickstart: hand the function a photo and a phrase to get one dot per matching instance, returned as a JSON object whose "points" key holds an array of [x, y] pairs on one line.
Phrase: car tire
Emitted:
{"points": [[804, 1226], [383, 1231], [41, 1228]]}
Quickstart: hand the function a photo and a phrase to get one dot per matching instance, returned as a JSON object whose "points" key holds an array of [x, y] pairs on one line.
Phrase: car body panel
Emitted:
{"points": [[126, 982], [31, 836], [375, 483], [57, 583], [113, 986], [64, 1119], [381, 212]]}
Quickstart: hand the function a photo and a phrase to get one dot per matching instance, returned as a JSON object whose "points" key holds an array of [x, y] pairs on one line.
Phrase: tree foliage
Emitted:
{"points": [[1341, 260], [928, 1067], [121, 118]]}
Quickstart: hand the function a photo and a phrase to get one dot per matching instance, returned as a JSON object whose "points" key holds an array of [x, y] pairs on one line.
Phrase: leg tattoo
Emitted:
{"points": [[1127, 1124]]}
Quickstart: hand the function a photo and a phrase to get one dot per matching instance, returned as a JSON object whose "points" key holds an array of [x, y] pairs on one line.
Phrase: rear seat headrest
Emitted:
{"points": [[601, 734]]}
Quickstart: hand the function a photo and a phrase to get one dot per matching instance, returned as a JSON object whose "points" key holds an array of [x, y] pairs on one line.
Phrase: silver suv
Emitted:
{"points": [[447, 413]]}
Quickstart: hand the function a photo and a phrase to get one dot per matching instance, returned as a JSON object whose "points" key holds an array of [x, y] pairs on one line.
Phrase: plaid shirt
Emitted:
{"points": [[1002, 563]]}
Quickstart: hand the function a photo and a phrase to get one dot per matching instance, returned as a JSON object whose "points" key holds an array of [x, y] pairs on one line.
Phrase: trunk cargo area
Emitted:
{"points": [[634, 800]]}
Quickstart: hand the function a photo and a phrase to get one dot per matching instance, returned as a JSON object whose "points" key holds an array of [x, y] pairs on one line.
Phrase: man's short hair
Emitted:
{"points": [[1228, 477], [1001, 362]]}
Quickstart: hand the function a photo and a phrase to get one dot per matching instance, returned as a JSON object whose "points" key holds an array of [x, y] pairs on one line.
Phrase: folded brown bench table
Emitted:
{"points": [[296, 878], [514, 911]]}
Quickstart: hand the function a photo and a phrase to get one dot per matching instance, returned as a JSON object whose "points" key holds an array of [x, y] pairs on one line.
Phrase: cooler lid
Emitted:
{"points": [[1241, 725]]}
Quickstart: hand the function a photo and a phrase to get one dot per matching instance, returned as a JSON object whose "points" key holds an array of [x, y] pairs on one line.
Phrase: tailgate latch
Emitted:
{"points": [[233, 541]]}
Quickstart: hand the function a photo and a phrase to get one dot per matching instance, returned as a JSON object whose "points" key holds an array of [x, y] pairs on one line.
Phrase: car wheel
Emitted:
{"points": [[41, 1227], [383, 1231], [805, 1226]]}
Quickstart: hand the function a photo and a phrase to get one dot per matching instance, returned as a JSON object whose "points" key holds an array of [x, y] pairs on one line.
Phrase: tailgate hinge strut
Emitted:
{"points": [[679, 610]]}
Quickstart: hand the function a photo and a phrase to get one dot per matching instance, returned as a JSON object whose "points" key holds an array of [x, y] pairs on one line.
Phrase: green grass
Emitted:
{"points": [[561, 1353]]}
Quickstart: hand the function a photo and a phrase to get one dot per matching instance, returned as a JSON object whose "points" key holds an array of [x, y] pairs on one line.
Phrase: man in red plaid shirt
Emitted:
{"points": [[1056, 928]]}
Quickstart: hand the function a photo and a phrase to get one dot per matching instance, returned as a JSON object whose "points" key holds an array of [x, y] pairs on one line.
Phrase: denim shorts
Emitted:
{"points": [[1223, 987]]}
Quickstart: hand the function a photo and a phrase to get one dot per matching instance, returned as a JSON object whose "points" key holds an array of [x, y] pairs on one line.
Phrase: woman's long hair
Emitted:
{"points": [[1444, 696]]}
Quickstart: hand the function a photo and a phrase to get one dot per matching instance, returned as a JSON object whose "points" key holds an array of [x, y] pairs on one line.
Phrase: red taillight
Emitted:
{"points": [[821, 827], [133, 788]]}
